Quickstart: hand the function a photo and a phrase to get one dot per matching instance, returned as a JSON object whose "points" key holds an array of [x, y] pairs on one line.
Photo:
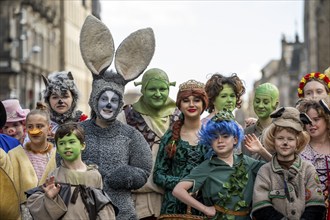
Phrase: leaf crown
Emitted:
{"points": [[223, 115]]}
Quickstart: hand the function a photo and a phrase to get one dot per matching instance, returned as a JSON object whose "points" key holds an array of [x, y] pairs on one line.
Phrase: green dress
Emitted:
{"points": [[169, 171], [228, 187]]}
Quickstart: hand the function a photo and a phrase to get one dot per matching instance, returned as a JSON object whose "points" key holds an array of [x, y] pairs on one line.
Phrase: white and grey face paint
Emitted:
{"points": [[108, 104]]}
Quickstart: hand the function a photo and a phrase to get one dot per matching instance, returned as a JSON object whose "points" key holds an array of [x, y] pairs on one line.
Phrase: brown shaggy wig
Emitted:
{"points": [[215, 85]]}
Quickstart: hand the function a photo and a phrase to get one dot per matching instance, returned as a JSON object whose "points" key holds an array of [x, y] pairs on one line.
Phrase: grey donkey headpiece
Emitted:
{"points": [[98, 51]]}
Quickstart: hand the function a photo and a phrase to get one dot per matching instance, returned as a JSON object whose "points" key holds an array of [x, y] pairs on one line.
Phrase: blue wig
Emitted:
{"points": [[213, 129]]}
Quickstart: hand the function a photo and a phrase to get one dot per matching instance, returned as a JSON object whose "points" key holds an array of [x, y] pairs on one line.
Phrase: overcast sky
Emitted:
{"points": [[195, 39]]}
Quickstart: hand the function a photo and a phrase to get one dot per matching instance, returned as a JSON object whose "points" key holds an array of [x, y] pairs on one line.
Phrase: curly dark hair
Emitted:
{"points": [[306, 104], [215, 85]]}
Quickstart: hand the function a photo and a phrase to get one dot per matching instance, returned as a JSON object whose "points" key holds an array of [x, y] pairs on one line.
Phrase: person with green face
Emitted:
{"points": [[152, 115], [58, 197], [224, 93], [265, 101]]}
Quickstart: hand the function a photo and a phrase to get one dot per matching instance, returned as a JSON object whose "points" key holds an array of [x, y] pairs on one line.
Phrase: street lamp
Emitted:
{"points": [[34, 50]]}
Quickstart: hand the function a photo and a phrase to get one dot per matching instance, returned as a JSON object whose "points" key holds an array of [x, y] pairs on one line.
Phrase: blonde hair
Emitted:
{"points": [[270, 132], [41, 109]]}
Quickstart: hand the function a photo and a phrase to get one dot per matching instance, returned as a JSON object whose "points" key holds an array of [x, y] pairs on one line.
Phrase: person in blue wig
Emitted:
{"points": [[226, 179]]}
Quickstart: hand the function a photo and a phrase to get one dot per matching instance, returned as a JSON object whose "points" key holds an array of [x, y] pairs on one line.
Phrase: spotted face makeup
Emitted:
{"points": [[108, 104], [61, 103]]}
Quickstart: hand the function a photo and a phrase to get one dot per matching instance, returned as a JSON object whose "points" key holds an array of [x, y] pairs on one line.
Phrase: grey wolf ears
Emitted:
{"points": [[131, 58], [46, 81]]}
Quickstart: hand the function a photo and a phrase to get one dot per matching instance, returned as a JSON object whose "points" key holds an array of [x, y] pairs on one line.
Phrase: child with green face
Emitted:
{"points": [[73, 190]]}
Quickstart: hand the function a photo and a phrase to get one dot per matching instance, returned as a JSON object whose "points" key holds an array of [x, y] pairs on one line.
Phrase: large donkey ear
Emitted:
{"points": [[135, 53], [96, 45]]}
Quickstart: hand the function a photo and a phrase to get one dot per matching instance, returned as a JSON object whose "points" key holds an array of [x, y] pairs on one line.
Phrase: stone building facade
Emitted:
{"points": [[317, 36], [299, 58], [39, 37], [29, 47]]}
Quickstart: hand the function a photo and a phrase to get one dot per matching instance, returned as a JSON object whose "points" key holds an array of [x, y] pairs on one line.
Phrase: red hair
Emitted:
{"points": [[197, 92]]}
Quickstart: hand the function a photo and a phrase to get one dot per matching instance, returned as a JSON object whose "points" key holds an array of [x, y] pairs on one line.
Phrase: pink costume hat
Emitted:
{"points": [[14, 110]]}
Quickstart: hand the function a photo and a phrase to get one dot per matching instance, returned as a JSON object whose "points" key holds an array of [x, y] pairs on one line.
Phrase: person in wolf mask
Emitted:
{"points": [[61, 96]]}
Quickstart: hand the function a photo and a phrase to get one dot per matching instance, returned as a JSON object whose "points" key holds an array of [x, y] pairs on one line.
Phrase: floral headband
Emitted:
{"points": [[223, 115], [310, 76]]}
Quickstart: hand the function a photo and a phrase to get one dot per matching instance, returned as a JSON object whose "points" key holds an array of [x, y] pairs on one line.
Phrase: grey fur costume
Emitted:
{"points": [[121, 152], [124, 161]]}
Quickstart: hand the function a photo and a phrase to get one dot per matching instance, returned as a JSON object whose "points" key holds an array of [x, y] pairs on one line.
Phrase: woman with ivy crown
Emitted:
{"points": [[226, 179]]}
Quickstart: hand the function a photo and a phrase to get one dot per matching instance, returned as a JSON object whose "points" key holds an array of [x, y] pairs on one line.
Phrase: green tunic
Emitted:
{"points": [[212, 177], [169, 171]]}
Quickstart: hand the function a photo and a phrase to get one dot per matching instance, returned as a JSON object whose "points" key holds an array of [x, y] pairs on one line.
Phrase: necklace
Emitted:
{"points": [[48, 148]]}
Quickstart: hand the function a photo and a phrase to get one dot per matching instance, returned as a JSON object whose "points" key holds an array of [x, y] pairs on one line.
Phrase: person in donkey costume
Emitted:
{"points": [[152, 115], [121, 152]]}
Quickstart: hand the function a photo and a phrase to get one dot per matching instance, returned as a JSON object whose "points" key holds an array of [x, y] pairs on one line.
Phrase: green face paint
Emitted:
{"points": [[263, 106], [156, 94], [226, 99], [265, 100], [69, 147]]}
